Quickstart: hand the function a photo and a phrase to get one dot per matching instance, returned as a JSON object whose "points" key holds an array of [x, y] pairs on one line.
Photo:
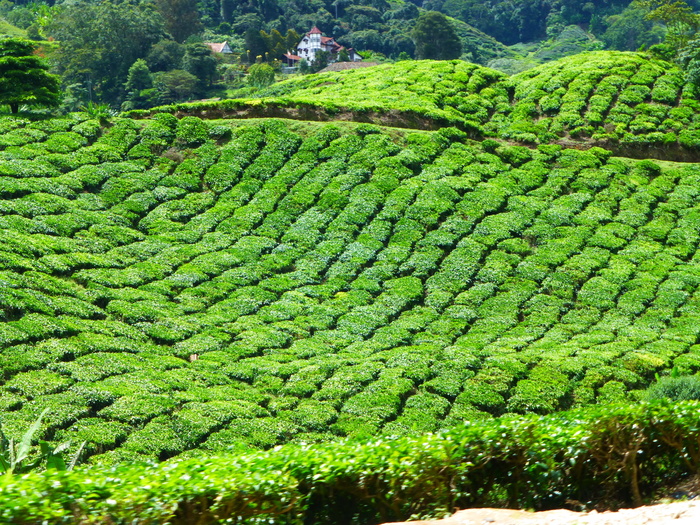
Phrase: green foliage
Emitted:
{"points": [[20, 457], [631, 30], [138, 81], [181, 18], [677, 16], [100, 112], [175, 85], [613, 99], [689, 58], [435, 38], [537, 462], [622, 101], [171, 286], [191, 131], [676, 388], [261, 75], [89, 34], [24, 78], [199, 62], [446, 93]]}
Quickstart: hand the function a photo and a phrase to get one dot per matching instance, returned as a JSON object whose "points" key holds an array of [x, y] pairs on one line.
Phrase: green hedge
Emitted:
{"points": [[620, 452]]}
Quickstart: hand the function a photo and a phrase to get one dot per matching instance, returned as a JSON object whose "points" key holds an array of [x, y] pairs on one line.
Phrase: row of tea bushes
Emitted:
{"points": [[608, 97], [447, 93], [619, 453]]}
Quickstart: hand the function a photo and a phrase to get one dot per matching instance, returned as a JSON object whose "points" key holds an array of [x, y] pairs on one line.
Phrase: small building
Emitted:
{"points": [[313, 42], [291, 60], [223, 47]]}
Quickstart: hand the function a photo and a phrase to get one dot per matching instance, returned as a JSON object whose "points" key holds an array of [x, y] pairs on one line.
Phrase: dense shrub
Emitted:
{"points": [[515, 461], [680, 388]]}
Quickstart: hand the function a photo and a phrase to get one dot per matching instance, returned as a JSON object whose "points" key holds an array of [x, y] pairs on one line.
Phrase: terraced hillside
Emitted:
{"points": [[610, 97], [627, 102], [174, 285], [424, 94]]}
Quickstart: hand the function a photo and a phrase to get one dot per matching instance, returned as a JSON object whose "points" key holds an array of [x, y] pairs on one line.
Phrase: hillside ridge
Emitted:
{"points": [[628, 103], [244, 317]]}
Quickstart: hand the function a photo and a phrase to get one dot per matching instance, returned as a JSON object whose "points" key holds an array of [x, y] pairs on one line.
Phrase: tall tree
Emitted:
{"points": [[175, 85], [689, 59], [100, 42], [138, 83], [200, 62], [165, 55], [228, 7], [292, 39], [139, 76], [278, 44], [630, 30], [435, 37], [24, 78], [255, 44], [181, 18], [678, 17]]}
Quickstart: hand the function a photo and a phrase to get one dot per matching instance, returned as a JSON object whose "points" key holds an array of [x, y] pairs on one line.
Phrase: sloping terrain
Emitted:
{"points": [[8, 30], [479, 47], [424, 94], [627, 102], [609, 97], [170, 285]]}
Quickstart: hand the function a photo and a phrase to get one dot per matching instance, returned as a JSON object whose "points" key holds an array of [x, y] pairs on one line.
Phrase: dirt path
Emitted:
{"points": [[680, 513]]}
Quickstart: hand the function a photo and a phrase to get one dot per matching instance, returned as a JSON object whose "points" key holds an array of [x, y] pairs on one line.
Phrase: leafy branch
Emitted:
{"points": [[19, 457]]}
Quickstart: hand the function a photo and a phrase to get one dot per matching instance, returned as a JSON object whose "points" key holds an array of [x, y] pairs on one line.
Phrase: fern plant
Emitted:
{"points": [[19, 457], [101, 112]]}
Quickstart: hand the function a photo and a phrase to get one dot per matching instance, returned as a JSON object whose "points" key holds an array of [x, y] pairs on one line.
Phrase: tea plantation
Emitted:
{"points": [[621, 100], [183, 288], [423, 94], [609, 97]]}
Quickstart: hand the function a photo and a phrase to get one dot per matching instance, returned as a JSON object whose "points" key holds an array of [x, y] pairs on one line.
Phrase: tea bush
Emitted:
{"points": [[617, 99], [453, 93], [677, 388], [610, 97], [516, 461]]}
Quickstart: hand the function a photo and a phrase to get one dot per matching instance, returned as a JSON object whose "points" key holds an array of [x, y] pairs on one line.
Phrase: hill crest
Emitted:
{"points": [[629, 103]]}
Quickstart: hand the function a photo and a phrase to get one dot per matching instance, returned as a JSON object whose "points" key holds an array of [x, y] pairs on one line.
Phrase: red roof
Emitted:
{"points": [[291, 57], [315, 31]]}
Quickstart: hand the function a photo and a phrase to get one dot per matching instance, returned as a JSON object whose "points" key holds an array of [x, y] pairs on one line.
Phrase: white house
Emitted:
{"points": [[313, 42]]}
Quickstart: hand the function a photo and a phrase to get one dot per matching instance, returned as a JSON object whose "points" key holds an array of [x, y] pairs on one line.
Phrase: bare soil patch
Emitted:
{"points": [[678, 513], [662, 512]]}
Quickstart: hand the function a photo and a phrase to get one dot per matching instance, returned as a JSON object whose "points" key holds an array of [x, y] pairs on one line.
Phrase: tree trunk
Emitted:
{"points": [[14, 107]]}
